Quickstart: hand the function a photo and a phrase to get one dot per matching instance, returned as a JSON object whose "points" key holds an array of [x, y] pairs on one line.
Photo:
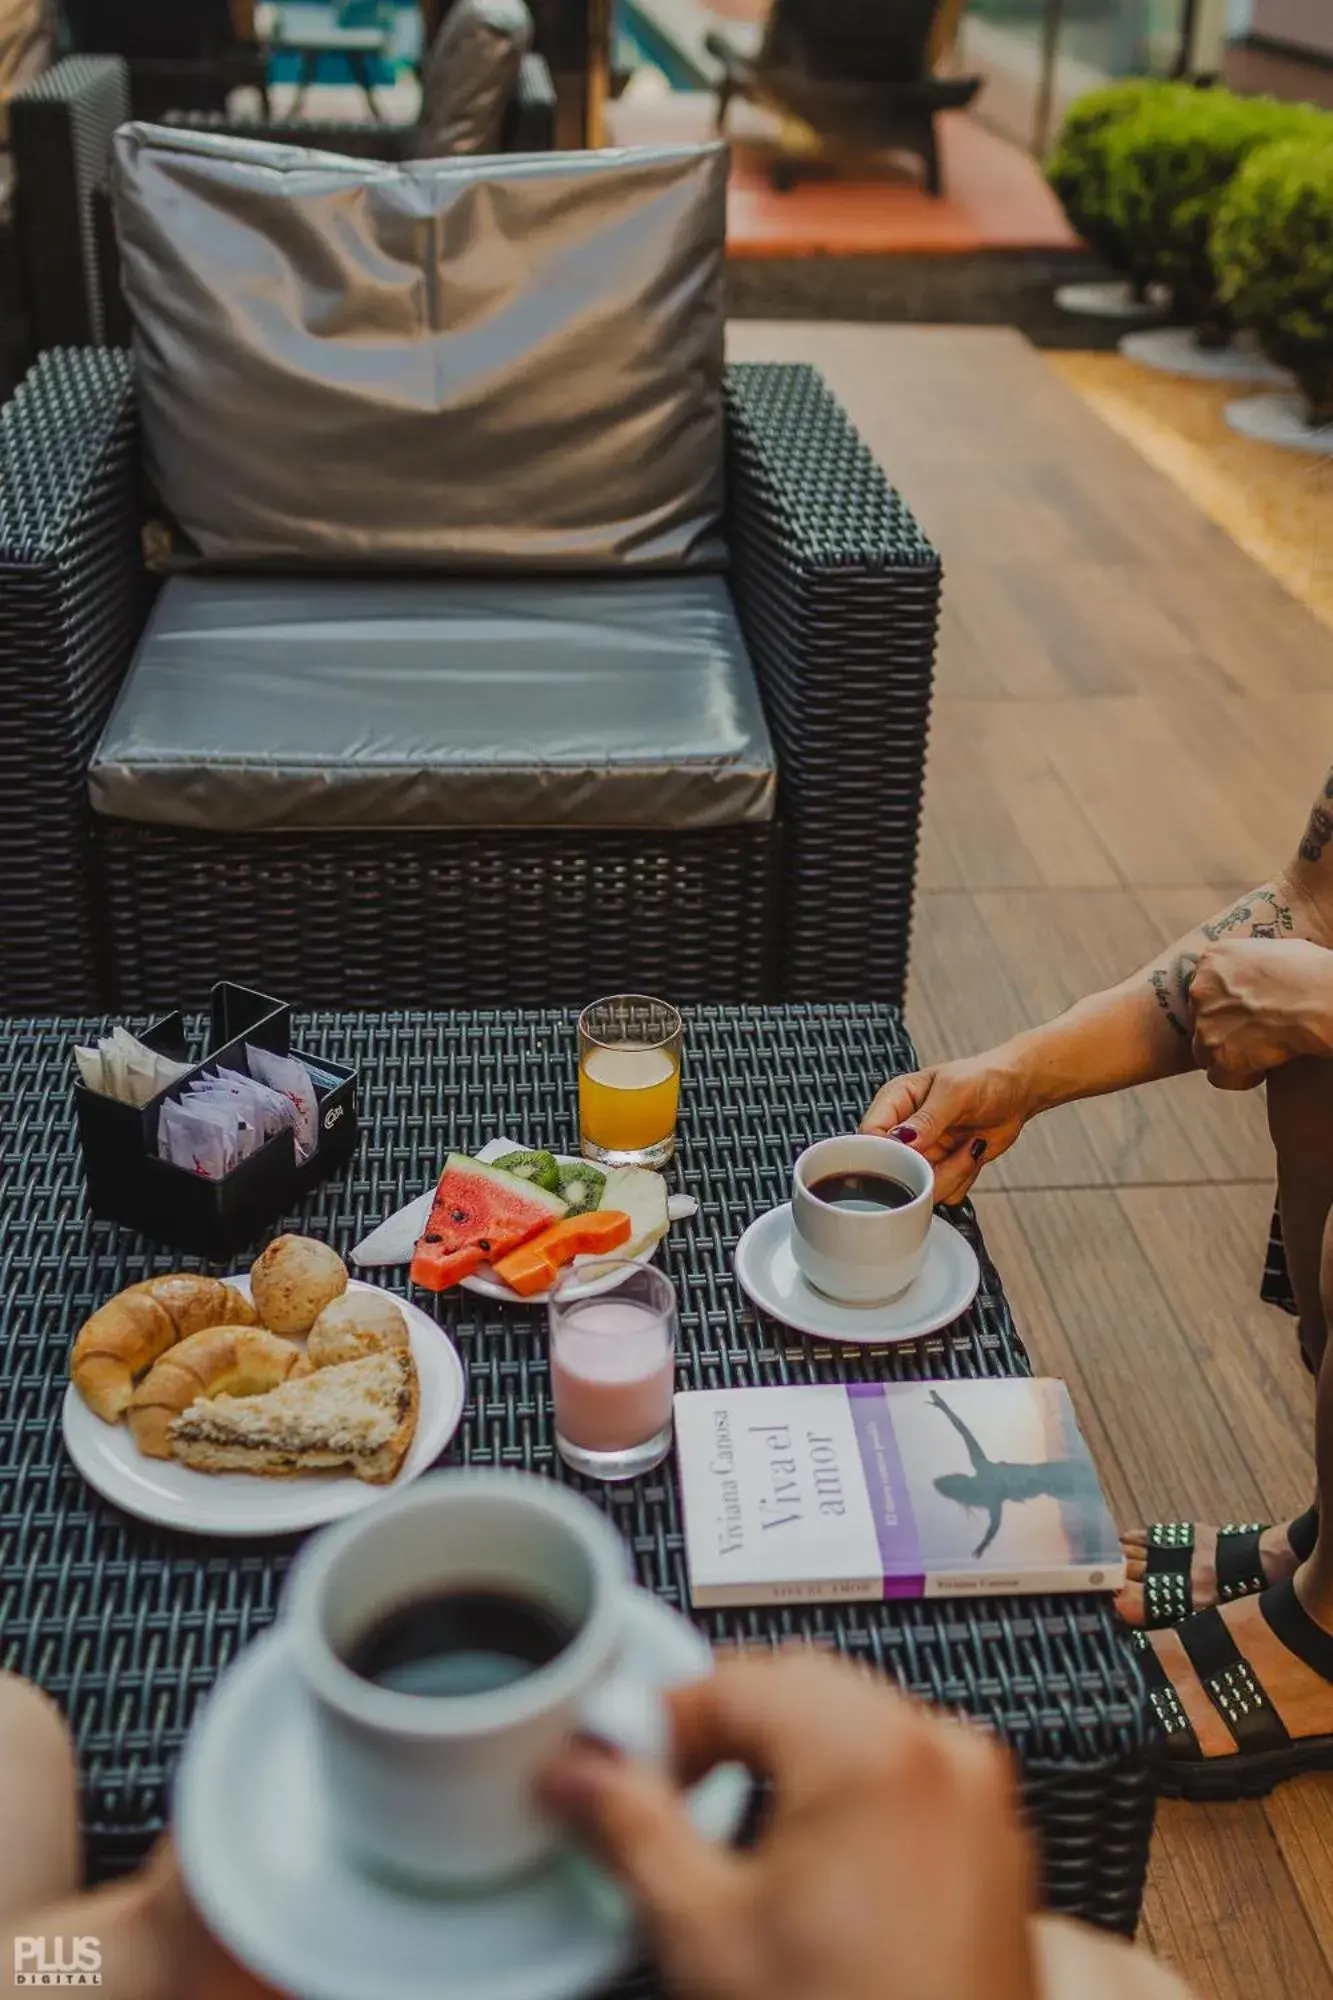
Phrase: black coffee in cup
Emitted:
{"points": [[863, 1191], [459, 1642]]}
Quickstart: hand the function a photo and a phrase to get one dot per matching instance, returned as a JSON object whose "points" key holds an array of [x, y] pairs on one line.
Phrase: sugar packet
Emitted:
{"points": [[202, 1138], [244, 1132], [293, 1080], [274, 1111], [263, 1112]]}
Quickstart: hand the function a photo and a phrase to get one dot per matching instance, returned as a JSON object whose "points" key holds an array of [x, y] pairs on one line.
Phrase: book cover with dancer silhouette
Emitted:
{"points": [[890, 1489]]}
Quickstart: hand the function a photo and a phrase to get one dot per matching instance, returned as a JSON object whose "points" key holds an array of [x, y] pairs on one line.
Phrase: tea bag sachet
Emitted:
{"points": [[293, 1080], [123, 1067], [88, 1062]]}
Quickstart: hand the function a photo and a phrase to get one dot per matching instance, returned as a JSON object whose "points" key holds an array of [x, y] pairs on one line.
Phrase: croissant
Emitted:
{"points": [[124, 1337], [218, 1360]]}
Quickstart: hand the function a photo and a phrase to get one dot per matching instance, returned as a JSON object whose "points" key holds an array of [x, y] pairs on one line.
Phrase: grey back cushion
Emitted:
{"points": [[453, 364], [470, 75]]}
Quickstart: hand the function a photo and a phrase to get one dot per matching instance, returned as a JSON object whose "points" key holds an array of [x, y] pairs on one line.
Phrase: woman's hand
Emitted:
{"points": [[957, 1115], [1258, 1002], [892, 1865]]}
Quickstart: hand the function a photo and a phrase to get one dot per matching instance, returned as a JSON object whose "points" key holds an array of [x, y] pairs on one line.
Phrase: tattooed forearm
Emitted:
{"points": [[1172, 986], [1320, 829], [1262, 914]]}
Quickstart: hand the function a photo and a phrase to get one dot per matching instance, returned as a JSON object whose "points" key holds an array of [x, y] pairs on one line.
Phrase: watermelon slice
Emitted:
{"points": [[479, 1213]]}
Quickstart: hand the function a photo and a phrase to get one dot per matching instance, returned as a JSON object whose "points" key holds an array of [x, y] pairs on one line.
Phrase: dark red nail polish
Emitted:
{"points": [[978, 1148], [907, 1133]]}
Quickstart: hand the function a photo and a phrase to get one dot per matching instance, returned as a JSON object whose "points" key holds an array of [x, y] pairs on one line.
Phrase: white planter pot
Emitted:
{"points": [[1175, 351], [1279, 419]]}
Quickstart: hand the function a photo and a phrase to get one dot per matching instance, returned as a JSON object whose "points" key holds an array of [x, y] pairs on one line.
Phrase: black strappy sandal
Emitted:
{"points": [[1167, 1597], [1266, 1752]]}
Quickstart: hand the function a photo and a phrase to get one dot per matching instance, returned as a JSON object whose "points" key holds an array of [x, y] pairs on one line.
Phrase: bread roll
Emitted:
{"points": [[358, 1323], [124, 1337], [293, 1281], [216, 1361]]}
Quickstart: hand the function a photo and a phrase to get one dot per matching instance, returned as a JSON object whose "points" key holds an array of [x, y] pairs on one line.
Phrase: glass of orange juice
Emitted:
{"points": [[629, 1081]]}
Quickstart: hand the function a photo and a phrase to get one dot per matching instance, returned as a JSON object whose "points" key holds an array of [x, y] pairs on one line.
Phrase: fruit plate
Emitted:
{"points": [[246, 1504], [392, 1242], [485, 1283]]}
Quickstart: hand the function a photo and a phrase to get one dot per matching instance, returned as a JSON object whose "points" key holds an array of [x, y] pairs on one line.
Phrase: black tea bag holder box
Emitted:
{"points": [[128, 1183]]}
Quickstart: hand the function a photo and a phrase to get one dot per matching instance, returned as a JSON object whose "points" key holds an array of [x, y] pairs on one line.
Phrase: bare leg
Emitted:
{"points": [[39, 1816], [1303, 1698], [1314, 1579], [1300, 1119]]}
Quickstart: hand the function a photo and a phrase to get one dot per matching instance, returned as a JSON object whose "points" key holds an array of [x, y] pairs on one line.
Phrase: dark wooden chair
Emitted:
{"points": [[183, 55], [856, 72]]}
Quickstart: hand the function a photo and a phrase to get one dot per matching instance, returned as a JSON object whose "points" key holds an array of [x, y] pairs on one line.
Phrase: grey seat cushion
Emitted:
{"points": [[470, 75], [283, 703], [465, 365]]}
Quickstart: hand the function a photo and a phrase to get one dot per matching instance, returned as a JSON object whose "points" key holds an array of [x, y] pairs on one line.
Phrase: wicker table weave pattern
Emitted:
{"points": [[128, 1627]]}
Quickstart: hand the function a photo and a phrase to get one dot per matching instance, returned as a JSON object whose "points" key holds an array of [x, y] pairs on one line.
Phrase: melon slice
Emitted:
{"points": [[642, 1196], [479, 1213]]}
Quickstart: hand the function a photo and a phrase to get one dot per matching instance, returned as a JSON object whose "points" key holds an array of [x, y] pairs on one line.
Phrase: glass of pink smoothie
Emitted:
{"points": [[613, 1367]]}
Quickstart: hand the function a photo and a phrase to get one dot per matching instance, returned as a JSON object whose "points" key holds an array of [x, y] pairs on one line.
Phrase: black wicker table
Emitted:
{"points": [[128, 1627]]}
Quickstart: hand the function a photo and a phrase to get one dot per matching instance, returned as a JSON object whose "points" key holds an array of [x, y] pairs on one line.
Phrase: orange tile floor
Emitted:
{"points": [[995, 197]]}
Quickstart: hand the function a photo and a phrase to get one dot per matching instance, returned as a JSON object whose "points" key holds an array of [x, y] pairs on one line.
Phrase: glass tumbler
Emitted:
{"points": [[613, 1367], [629, 1081]]}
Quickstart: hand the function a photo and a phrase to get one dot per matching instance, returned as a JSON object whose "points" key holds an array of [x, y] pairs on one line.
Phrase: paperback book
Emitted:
{"points": [[866, 1491]]}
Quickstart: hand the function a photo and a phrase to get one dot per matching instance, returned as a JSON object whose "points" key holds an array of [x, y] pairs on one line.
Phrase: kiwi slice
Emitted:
{"points": [[581, 1186], [539, 1168]]}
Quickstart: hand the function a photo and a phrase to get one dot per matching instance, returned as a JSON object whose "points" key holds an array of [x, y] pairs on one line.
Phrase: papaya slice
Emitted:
{"points": [[536, 1264]]}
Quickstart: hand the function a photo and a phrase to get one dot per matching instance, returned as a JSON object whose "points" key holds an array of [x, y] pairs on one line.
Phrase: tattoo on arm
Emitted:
{"points": [[1172, 986], [1320, 829], [1263, 914]]}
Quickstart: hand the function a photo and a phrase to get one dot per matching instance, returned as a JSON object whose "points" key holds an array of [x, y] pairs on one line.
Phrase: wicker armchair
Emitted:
{"points": [[837, 592], [61, 125]]}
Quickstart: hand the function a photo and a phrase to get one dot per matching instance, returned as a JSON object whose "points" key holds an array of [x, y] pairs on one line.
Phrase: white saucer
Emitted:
{"points": [[259, 1854], [945, 1289], [238, 1503]]}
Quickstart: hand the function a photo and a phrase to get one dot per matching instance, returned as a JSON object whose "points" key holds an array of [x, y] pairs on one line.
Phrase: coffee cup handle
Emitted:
{"points": [[628, 1715]]}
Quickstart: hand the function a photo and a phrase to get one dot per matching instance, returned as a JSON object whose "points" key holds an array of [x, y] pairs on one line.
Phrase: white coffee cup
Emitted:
{"points": [[440, 1789], [861, 1256]]}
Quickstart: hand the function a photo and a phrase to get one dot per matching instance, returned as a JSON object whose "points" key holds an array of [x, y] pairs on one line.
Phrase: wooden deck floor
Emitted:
{"points": [[1131, 720]]}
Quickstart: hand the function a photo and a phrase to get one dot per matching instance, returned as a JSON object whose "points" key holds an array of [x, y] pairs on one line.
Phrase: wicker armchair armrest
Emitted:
{"points": [[838, 592], [530, 119], [71, 607], [61, 126], [321, 135]]}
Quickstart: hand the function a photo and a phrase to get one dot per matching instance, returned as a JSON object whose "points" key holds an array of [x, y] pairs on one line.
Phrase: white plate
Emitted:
{"points": [[241, 1503], [259, 1852], [485, 1283], [766, 1268]]}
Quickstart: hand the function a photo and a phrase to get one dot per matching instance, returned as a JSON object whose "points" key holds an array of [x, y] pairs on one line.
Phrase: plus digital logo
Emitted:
{"points": [[61, 1961]]}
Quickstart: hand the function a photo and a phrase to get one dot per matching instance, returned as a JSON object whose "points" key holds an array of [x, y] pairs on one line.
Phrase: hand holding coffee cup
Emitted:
{"points": [[861, 1212], [453, 1639]]}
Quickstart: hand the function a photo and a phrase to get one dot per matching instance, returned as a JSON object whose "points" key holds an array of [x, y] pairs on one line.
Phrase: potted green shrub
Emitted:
{"points": [[1077, 172], [1169, 163], [1272, 251]]}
